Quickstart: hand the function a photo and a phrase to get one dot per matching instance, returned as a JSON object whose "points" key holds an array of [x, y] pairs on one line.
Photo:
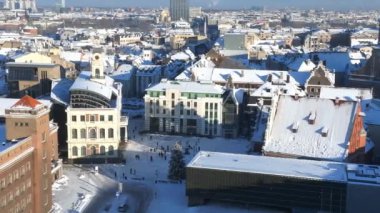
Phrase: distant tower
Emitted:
{"points": [[97, 68], [179, 9], [63, 4]]}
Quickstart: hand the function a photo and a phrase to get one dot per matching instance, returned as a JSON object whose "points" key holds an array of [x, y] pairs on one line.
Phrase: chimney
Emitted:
{"points": [[288, 78], [312, 117], [337, 101], [296, 97], [269, 79]]}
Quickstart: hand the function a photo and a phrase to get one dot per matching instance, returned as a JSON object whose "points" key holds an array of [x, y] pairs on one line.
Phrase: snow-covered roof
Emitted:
{"points": [[241, 76], [269, 89], [292, 134], [347, 94], [84, 83], [123, 72], [372, 112], [304, 169], [59, 91], [187, 86]]}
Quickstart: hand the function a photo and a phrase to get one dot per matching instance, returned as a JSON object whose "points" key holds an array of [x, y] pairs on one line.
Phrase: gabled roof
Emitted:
{"points": [[27, 102], [292, 134]]}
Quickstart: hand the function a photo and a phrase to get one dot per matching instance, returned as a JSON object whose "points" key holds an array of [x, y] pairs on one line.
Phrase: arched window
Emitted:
{"points": [[110, 133], [102, 133], [110, 150], [75, 151], [83, 133], [74, 133], [97, 72], [93, 150], [102, 150], [83, 151], [92, 133]]}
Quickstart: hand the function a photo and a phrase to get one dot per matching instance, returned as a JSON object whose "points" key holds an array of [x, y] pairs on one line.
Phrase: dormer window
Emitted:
{"points": [[295, 127], [325, 131], [312, 117]]}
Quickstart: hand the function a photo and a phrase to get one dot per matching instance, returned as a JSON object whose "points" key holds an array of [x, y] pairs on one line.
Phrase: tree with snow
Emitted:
{"points": [[176, 164]]}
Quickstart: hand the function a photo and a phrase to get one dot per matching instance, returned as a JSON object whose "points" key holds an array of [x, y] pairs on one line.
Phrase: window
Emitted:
{"points": [[164, 103], [16, 124], [74, 133], [164, 111], [83, 133], [173, 104], [93, 150], [92, 133], [82, 118], [29, 183], [102, 150], [26, 124], [173, 95], [102, 133], [28, 167], [73, 118], [195, 104], [75, 151], [110, 133], [10, 179], [173, 113], [110, 118], [22, 170], [97, 73], [188, 112], [102, 118], [92, 118], [43, 136], [15, 175], [188, 104], [216, 106], [83, 151], [110, 150], [3, 183]]}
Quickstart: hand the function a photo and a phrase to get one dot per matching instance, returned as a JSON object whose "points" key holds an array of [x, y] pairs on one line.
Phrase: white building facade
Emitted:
{"points": [[95, 125], [192, 108]]}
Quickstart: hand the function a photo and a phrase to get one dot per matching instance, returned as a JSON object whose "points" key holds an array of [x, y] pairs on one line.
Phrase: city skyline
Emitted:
{"points": [[225, 4]]}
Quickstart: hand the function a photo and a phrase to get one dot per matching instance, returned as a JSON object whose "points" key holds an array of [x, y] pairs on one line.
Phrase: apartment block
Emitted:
{"points": [[28, 158]]}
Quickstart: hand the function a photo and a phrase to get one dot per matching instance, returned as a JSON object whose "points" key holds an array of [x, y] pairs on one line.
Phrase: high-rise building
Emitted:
{"points": [[28, 157], [21, 4], [179, 9]]}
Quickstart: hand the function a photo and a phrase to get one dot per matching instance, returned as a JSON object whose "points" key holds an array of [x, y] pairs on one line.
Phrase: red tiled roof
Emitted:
{"points": [[27, 101]]}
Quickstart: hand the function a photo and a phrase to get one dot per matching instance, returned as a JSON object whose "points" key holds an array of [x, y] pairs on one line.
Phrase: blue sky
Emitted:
{"points": [[232, 4]]}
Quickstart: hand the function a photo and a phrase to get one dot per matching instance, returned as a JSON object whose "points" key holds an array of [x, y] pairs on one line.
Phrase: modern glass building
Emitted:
{"points": [[288, 184], [179, 9]]}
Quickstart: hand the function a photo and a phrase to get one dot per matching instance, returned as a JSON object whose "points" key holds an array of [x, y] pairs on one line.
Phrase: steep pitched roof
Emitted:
{"points": [[291, 132], [27, 102]]}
